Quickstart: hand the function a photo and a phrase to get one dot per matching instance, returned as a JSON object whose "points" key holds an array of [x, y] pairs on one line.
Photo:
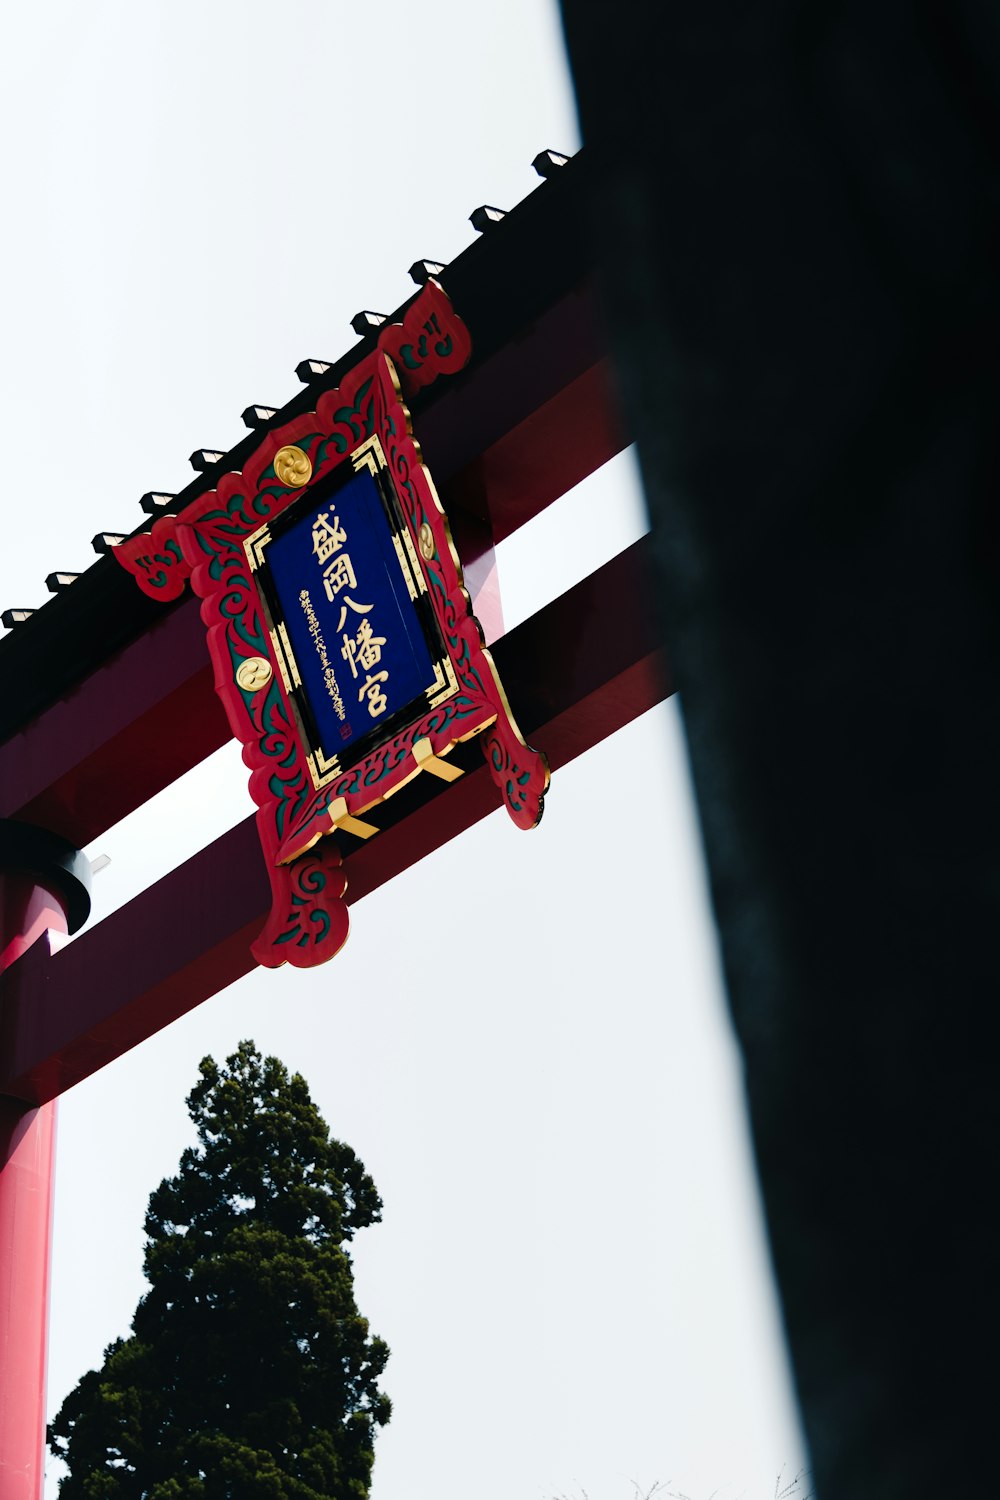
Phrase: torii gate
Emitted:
{"points": [[114, 700]]}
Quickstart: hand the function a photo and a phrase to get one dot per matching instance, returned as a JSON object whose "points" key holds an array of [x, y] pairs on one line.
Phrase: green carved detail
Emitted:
{"points": [[318, 919], [168, 558], [252, 638], [263, 501], [359, 418], [311, 881]]}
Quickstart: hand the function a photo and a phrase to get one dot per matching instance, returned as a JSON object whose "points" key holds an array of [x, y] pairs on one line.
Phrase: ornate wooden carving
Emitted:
{"points": [[308, 922]]}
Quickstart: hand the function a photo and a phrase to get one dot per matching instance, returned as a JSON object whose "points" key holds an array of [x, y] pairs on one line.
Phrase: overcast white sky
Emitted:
{"points": [[570, 1272]]}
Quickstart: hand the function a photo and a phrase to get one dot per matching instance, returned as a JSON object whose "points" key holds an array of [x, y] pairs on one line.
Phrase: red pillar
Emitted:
{"points": [[44, 883], [26, 1174]]}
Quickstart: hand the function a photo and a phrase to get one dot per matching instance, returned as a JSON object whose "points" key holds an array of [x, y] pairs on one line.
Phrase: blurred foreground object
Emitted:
{"points": [[796, 208]]}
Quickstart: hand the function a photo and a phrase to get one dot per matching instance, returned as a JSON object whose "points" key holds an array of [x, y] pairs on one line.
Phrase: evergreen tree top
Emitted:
{"points": [[264, 1153], [249, 1372]]}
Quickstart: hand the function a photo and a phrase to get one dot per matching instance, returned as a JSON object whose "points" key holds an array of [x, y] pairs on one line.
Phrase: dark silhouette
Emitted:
{"points": [[798, 210]]}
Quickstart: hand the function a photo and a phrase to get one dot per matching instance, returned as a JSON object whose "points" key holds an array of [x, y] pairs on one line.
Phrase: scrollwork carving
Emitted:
{"points": [[308, 921]]}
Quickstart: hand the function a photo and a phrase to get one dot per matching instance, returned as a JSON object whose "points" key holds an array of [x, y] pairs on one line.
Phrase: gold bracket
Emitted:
{"points": [[342, 819], [426, 760]]}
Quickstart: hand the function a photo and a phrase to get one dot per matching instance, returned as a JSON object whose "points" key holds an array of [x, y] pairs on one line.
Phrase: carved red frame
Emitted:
{"points": [[308, 922]]}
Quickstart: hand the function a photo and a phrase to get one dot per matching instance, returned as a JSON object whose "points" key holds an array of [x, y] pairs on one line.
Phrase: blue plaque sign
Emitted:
{"points": [[346, 603], [342, 638]]}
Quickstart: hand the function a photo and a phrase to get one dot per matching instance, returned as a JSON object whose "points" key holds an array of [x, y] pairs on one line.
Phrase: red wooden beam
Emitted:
{"points": [[127, 732], [65, 1015], [504, 442]]}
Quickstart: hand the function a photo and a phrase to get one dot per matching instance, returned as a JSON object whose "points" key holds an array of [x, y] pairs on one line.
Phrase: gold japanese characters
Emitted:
{"points": [[361, 646], [334, 617]]}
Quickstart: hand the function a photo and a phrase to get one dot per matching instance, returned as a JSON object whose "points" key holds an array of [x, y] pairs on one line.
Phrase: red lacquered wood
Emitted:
{"points": [[308, 921], [151, 713], [27, 1138], [64, 1016]]}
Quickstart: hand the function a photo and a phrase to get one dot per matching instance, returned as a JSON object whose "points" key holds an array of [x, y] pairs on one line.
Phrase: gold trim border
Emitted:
{"points": [[322, 769]]}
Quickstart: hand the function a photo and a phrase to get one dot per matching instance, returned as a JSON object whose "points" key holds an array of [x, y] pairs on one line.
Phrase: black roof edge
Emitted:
{"points": [[499, 285]]}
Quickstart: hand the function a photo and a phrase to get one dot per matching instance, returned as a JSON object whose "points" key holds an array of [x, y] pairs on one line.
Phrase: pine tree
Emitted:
{"points": [[250, 1374]]}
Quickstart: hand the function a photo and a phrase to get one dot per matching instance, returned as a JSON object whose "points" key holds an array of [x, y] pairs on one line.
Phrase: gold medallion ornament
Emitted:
{"points": [[426, 539], [255, 672], [293, 467]]}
